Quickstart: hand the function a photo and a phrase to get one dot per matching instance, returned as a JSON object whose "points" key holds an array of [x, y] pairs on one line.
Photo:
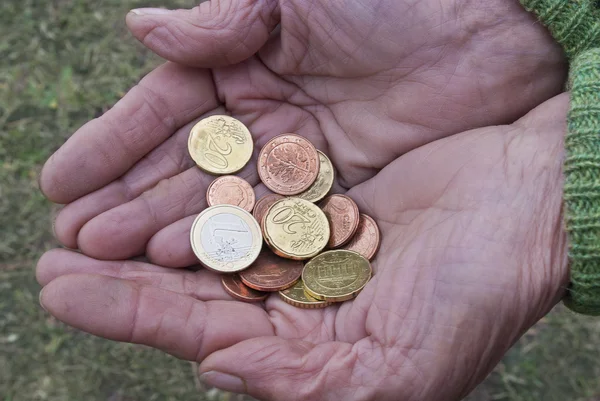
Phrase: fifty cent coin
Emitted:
{"points": [[262, 205], [271, 273], [288, 164], [296, 229], [343, 216], [296, 295], [322, 185], [226, 238], [231, 190], [220, 144], [366, 240], [233, 286], [336, 275]]}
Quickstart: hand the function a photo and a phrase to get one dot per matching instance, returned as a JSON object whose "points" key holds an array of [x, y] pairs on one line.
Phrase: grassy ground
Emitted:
{"points": [[63, 62]]}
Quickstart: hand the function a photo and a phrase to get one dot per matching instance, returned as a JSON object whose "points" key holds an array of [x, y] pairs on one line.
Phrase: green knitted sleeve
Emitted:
{"points": [[575, 24]]}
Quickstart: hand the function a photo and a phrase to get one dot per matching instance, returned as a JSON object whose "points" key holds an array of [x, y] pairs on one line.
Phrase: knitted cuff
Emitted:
{"points": [[575, 24], [582, 183]]}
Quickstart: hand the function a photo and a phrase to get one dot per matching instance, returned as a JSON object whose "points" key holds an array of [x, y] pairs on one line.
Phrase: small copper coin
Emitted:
{"points": [[231, 190], [271, 273], [288, 164], [262, 205], [366, 240], [234, 287], [343, 216]]}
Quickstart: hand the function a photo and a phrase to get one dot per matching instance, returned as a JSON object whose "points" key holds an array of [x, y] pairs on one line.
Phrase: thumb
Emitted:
{"points": [[272, 368], [215, 33]]}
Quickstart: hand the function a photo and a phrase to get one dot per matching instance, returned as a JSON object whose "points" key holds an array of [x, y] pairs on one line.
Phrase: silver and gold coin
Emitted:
{"points": [[226, 238]]}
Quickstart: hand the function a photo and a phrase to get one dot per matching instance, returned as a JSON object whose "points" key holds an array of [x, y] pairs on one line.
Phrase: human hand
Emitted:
{"points": [[462, 262], [365, 81], [472, 254]]}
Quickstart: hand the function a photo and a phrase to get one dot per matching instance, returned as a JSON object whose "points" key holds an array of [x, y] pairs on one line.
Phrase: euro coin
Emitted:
{"points": [[220, 145], [296, 229], [233, 286], [366, 239], [322, 185], [288, 164], [231, 190], [262, 205], [296, 295], [226, 238], [343, 216], [271, 273], [336, 276]]}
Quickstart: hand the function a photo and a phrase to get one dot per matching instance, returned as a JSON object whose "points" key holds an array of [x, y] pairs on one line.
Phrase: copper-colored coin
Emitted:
{"points": [[231, 190], [234, 287], [262, 205], [366, 240], [288, 164], [271, 273], [343, 216]]}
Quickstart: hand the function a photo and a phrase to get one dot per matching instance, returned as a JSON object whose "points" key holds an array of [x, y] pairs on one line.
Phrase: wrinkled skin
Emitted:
{"points": [[415, 102]]}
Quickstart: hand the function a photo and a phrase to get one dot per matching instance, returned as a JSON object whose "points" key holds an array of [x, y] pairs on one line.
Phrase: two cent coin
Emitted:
{"points": [[231, 190], [288, 164]]}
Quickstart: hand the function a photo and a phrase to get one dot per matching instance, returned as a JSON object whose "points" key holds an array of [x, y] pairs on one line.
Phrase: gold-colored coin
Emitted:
{"points": [[336, 276], [220, 145], [296, 229], [322, 185], [297, 296], [226, 238]]}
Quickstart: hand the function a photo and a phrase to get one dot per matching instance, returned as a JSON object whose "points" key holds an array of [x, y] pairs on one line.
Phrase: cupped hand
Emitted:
{"points": [[472, 254], [365, 81], [472, 251]]}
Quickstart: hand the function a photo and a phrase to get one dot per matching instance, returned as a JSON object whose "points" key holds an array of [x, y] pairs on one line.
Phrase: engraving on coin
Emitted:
{"points": [[343, 216], [231, 190], [322, 185], [233, 286], [262, 205], [336, 275], [220, 144], [366, 239], [272, 273], [296, 228], [296, 295], [288, 164], [226, 238]]}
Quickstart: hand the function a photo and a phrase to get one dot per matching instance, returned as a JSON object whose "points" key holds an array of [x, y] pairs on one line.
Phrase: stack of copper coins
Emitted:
{"points": [[318, 246]]}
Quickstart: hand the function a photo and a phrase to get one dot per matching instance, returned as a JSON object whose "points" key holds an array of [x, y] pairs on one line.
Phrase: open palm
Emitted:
{"points": [[472, 250]]}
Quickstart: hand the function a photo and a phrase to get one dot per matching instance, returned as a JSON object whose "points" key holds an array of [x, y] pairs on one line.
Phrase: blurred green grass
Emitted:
{"points": [[63, 62]]}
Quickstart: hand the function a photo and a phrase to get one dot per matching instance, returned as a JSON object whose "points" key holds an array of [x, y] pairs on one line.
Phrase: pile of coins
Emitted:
{"points": [[335, 240]]}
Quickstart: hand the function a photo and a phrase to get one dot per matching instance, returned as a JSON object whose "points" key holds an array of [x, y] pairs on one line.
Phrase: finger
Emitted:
{"points": [[167, 160], [124, 310], [108, 146], [202, 285], [171, 246], [124, 231], [215, 33], [279, 369]]}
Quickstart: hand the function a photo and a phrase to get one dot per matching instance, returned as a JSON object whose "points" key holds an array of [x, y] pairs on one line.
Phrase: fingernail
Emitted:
{"points": [[40, 299], [223, 381], [150, 11]]}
